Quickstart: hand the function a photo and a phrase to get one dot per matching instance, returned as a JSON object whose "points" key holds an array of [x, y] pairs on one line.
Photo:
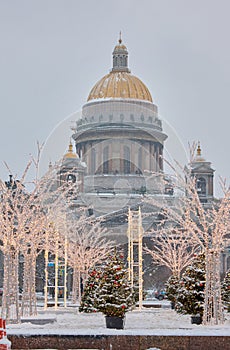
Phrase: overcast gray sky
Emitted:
{"points": [[53, 52]]}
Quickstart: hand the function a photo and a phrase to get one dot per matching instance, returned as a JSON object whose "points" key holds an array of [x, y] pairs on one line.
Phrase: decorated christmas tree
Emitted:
{"points": [[225, 290], [171, 287], [89, 297], [115, 296], [190, 293]]}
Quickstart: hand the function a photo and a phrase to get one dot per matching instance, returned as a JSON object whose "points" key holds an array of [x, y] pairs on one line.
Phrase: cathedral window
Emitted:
{"points": [[127, 167], [118, 61], [123, 61], [140, 158], [201, 186], [106, 160], [228, 263], [71, 178], [93, 161]]}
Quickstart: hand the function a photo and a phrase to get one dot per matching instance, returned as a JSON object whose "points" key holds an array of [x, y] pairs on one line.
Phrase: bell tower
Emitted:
{"points": [[72, 169], [204, 174]]}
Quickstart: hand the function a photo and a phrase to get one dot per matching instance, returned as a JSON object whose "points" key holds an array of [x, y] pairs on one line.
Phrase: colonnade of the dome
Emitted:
{"points": [[121, 156]]}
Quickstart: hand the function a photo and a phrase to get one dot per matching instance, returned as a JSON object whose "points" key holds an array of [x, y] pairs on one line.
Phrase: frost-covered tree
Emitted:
{"points": [[15, 220], [25, 217], [172, 247], [225, 290], [210, 227], [204, 228], [190, 291], [31, 245], [87, 247], [49, 201]]}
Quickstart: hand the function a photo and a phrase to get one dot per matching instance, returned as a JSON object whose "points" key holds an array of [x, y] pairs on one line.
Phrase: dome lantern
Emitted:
{"points": [[120, 57]]}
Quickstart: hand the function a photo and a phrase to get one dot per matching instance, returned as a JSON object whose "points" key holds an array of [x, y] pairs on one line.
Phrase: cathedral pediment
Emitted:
{"points": [[203, 168]]}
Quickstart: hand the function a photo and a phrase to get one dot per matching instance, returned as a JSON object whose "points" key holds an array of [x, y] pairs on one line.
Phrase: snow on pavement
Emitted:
{"points": [[149, 321]]}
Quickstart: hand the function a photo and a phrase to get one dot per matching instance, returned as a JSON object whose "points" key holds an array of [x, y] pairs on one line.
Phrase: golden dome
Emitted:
{"points": [[120, 47], [70, 153], [118, 84]]}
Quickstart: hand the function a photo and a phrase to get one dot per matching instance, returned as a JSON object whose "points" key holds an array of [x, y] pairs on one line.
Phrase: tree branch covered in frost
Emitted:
{"points": [[172, 248], [33, 221], [23, 223], [187, 226], [87, 247]]}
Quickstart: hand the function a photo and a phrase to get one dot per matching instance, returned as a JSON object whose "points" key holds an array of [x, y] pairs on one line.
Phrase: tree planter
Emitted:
{"points": [[114, 322], [197, 319]]}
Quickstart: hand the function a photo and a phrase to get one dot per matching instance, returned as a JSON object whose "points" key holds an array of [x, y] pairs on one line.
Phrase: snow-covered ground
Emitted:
{"points": [[149, 321]]}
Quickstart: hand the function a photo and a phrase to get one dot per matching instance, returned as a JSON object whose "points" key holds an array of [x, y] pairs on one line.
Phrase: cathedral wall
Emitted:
{"points": [[131, 112], [116, 184]]}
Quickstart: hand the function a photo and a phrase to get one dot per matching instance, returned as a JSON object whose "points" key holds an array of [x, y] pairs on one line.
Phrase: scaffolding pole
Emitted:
{"points": [[59, 266]]}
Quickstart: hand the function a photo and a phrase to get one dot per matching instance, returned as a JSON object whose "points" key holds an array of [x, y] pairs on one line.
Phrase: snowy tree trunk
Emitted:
{"points": [[213, 308], [10, 300], [29, 300], [46, 257], [76, 288]]}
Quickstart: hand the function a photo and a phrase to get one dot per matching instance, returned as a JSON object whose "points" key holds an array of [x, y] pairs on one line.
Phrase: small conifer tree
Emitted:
{"points": [[190, 293], [115, 295], [108, 289], [225, 290], [171, 287], [89, 297]]}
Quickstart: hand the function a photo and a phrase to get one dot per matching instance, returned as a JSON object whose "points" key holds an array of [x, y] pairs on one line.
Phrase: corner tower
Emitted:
{"points": [[119, 135], [72, 169], [204, 174]]}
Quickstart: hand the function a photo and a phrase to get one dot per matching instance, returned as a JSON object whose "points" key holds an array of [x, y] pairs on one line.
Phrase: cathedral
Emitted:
{"points": [[119, 145], [119, 142], [118, 155]]}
